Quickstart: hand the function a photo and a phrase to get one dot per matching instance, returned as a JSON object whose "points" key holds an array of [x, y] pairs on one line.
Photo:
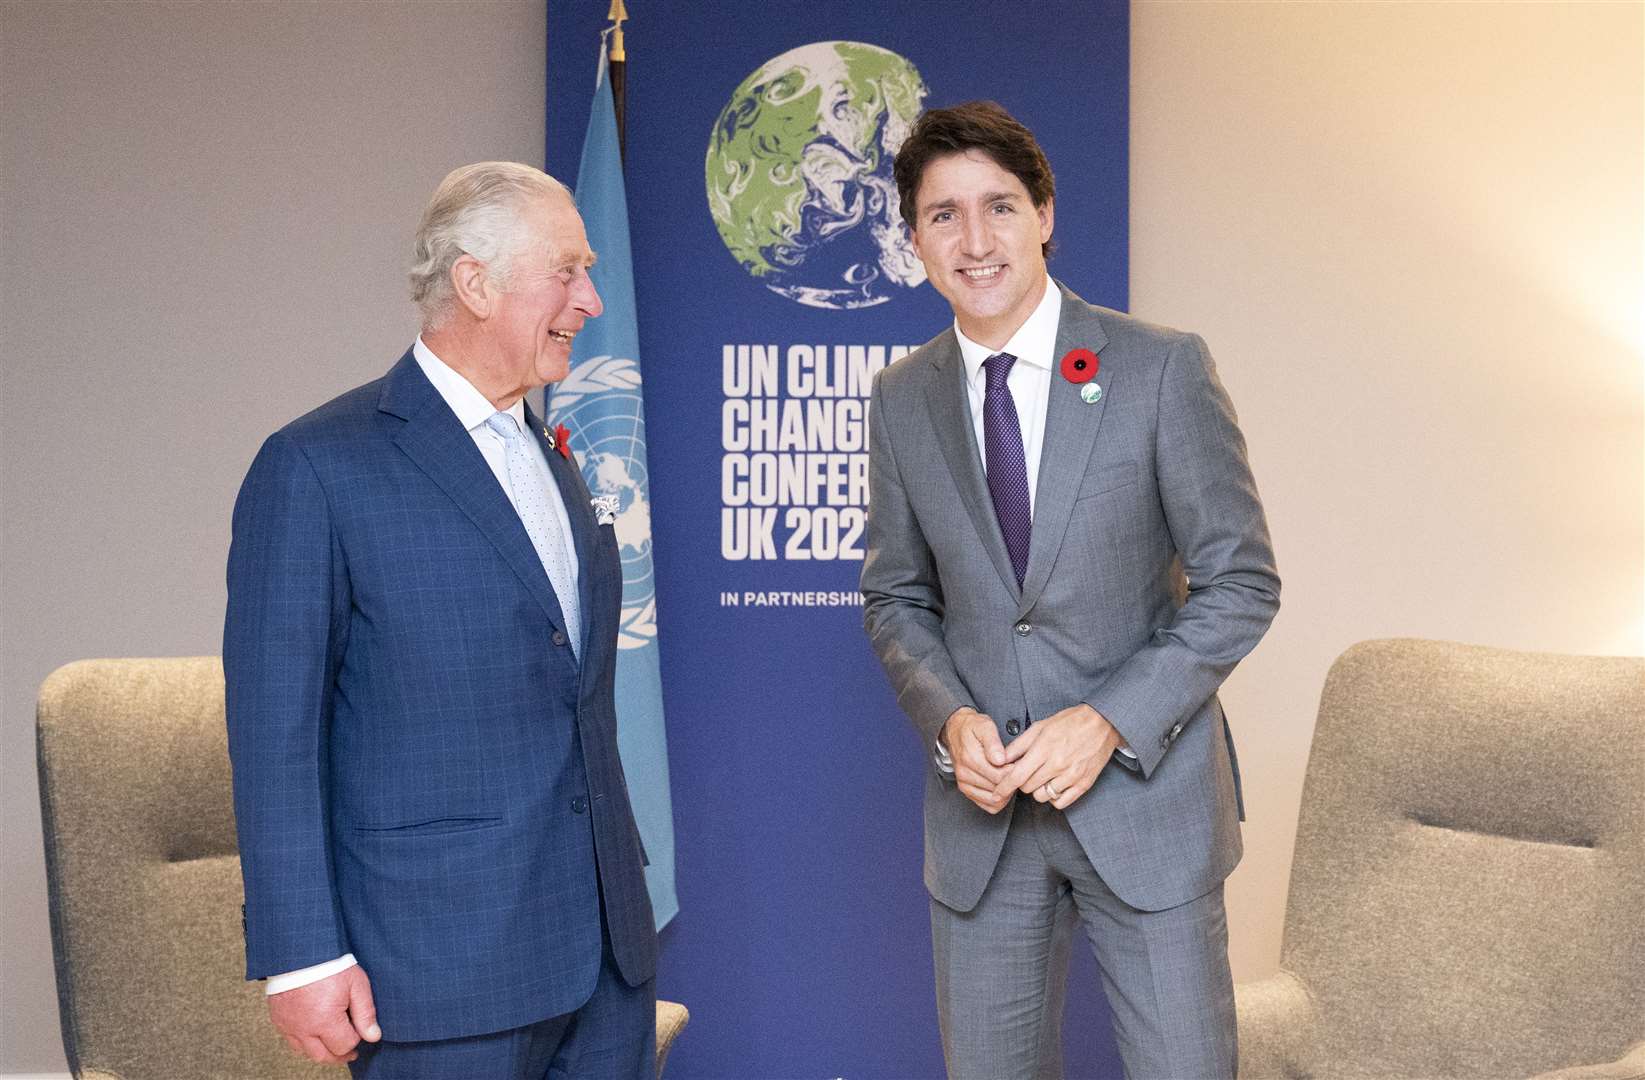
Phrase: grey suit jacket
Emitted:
{"points": [[1150, 575]]}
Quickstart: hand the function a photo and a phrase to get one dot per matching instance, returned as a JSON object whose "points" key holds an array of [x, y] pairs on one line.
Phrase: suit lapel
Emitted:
{"points": [[951, 416], [578, 511], [437, 443], [1070, 435]]}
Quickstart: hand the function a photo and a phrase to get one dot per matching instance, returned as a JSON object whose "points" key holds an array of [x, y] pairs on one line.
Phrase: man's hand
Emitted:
{"points": [[979, 760], [1066, 751], [325, 1020]]}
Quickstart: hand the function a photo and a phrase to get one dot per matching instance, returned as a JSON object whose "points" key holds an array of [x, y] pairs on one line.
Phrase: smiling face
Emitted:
{"points": [[548, 297], [979, 234]]}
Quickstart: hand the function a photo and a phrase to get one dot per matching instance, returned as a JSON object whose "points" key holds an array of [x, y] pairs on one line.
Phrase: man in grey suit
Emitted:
{"points": [[1066, 558]]}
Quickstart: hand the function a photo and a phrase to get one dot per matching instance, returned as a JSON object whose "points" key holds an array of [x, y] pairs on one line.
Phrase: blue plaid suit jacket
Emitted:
{"points": [[424, 775]]}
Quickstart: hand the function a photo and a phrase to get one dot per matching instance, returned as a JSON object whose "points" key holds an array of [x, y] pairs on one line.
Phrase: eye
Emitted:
{"points": [[942, 217], [1003, 208]]}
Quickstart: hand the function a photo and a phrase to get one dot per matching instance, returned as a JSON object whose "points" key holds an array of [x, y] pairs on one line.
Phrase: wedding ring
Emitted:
{"points": [[1053, 792]]}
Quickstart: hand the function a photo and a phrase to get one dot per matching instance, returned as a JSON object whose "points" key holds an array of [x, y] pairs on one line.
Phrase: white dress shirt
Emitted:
{"points": [[1029, 381], [473, 410], [1033, 345]]}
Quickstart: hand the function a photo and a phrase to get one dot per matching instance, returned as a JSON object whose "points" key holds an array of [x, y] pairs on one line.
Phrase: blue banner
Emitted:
{"points": [[600, 403], [773, 276]]}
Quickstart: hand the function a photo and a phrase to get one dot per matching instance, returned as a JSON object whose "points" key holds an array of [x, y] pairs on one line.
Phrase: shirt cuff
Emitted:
{"points": [[944, 760], [1127, 751], [291, 980]]}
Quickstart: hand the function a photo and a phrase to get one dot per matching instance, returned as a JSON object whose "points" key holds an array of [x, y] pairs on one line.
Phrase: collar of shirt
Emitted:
{"points": [[1032, 344], [471, 406]]}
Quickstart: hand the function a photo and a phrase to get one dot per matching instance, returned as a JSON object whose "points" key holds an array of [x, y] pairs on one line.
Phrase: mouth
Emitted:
{"points": [[562, 336], [982, 275]]}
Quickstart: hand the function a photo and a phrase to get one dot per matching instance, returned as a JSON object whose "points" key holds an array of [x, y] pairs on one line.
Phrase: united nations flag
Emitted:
{"points": [[600, 402]]}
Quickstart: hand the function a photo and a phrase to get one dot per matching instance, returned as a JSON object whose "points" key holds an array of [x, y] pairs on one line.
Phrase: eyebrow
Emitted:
{"points": [[585, 259], [987, 197]]}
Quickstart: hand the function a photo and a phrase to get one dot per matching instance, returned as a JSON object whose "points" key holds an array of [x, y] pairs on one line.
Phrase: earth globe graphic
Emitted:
{"points": [[799, 174]]}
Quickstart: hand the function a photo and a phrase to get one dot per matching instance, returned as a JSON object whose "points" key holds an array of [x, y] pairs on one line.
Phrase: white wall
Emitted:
{"points": [[1412, 234], [207, 214]]}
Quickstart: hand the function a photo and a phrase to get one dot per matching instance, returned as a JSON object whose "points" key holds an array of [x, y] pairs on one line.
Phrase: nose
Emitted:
{"points": [[585, 297], [977, 239]]}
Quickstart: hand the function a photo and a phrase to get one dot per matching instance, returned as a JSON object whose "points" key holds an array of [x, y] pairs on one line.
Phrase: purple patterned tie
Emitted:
{"points": [[1007, 469]]}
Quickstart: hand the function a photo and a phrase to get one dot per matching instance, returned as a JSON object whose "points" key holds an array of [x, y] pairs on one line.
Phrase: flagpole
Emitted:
{"points": [[618, 66]]}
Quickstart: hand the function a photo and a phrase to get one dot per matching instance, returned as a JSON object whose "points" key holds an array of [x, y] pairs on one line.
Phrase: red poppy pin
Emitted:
{"points": [[562, 441], [1080, 366]]}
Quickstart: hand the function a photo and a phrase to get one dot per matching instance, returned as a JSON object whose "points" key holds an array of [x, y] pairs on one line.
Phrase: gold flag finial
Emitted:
{"points": [[617, 14]]}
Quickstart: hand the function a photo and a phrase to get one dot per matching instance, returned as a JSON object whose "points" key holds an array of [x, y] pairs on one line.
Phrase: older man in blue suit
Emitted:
{"points": [[443, 876]]}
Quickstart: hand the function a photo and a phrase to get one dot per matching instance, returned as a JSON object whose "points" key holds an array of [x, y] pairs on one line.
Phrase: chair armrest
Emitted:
{"points": [[1630, 1066], [671, 1020], [1276, 1029]]}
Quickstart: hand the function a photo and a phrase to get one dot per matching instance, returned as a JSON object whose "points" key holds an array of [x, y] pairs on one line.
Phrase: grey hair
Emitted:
{"points": [[477, 210]]}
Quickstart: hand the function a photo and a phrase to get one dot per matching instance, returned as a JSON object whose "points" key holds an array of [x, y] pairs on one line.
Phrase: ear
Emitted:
{"points": [[1048, 219], [471, 285]]}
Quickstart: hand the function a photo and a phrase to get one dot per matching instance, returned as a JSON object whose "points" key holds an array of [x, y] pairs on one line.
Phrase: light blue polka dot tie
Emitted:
{"points": [[531, 502]]}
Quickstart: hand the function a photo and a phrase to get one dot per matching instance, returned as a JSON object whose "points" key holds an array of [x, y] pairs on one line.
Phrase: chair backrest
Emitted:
{"points": [[1469, 876], [144, 878]]}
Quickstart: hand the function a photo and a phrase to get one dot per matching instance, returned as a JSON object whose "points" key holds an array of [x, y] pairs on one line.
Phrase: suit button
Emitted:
{"points": [[1023, 629], [579, 805], [558, 638], [1012, 727]]}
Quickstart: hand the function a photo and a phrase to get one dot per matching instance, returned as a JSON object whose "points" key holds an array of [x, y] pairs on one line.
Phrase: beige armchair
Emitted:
{"points": [[1468, 892], [144, 879]]}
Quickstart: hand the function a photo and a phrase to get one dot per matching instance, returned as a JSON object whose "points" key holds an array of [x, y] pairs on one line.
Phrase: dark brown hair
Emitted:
{"points": [[974, 125]]}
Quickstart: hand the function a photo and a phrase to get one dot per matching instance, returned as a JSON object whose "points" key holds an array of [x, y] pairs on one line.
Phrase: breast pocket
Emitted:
{"points": [[1107, 478]]}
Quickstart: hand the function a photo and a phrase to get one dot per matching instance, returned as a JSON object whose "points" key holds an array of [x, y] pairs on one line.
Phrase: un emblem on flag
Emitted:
{"points": [[600, 403]]}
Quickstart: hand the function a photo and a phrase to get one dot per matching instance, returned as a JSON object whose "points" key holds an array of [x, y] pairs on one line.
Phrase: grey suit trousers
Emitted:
{"points": [[1002, 967]]}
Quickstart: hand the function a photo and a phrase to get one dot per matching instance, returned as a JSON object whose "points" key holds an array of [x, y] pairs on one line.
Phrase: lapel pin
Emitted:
{"points": [[605, 508], [1090, 393], [1080, 366], [559, 439]]}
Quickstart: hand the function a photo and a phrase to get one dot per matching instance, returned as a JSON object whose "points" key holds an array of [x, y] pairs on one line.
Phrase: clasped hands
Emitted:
{"points": [[1056, 760]]}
